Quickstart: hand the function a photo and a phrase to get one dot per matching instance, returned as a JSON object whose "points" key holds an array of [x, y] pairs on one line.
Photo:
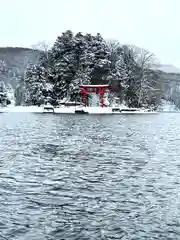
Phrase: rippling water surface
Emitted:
{"points": [[89, 177]]}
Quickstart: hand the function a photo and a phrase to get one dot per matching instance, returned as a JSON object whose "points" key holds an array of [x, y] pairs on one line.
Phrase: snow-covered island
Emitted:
{"points": [[83, 59], [79, 59]]}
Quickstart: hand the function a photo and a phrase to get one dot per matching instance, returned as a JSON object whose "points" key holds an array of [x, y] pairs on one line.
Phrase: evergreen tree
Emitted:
{"points": [[82, 62], [100, 62], [3, 95], [127, 69], [63, 68], [3, 67], [35, 85], [2, 87]]}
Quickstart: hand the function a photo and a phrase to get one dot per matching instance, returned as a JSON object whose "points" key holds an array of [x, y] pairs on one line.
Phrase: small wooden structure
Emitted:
{"points": [[71, 104], [48, 109], [98, 89]]}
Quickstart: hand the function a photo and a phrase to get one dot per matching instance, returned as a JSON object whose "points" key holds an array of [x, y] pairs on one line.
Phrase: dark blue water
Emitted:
{"points": [[89, 177]]}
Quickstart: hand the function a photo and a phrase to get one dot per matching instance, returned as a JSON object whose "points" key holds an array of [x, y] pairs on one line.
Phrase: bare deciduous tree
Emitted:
{"points": [[145, 60], [44, 47], [143, 57], [41, 46], [115, 50]]}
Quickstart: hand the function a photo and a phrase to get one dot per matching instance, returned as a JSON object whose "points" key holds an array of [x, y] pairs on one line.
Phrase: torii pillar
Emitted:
{"points": [[98, 89]]}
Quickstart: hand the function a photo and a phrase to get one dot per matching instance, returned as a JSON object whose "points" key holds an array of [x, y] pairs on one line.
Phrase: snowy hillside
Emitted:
{"points": [[167, 68], [13, 62]]}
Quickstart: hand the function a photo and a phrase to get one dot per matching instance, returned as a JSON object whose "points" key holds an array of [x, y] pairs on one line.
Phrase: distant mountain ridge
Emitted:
{"points": [[170, 78], [16, 60], [167, 68]]}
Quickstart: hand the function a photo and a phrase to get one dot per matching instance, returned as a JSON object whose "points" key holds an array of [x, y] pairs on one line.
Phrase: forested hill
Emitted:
{"points": [[13, 62], [170, 78]]}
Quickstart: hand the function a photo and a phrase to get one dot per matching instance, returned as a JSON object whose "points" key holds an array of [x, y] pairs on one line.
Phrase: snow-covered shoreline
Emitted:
{"points": [[35, 109], [67, 110]]}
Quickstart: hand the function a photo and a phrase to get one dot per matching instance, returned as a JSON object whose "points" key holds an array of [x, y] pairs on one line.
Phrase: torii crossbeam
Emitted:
{"points": [[98, 89]]}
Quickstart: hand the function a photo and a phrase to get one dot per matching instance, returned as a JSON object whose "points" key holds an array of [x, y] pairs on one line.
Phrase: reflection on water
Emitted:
{"points": [[89, 177]]}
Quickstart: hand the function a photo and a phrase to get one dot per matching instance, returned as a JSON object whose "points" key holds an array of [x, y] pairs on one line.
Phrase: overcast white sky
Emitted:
{"points": [[152, 24]]}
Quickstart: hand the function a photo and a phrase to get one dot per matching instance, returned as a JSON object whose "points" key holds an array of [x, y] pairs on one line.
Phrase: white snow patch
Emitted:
{"points": [[98, 110], [29, 109], [10, 96], [35, 109], [68, 110], [167, 106], [64, 110], [90, 110]]}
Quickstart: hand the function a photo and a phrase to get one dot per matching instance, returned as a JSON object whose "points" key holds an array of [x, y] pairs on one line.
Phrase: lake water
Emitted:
{"points": [[89, 177]]}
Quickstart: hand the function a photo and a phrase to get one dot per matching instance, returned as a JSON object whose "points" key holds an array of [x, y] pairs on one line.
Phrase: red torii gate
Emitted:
{"points": [[98, 89]]}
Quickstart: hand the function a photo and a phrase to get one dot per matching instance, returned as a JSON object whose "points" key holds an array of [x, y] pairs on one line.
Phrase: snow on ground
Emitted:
{"points": [[10, 96], [67, 110], [167, 107], [35, 109], [22, 109], [90, 110], [98, 110]]}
